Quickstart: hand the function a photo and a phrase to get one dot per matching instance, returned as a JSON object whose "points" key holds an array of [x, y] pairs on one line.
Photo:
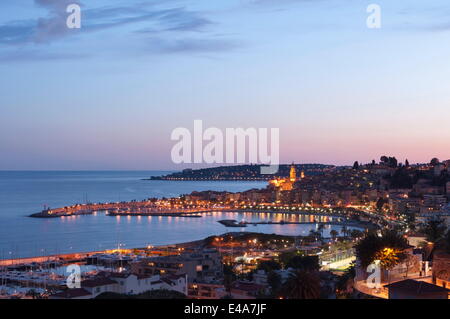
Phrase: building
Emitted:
{"points": [[441, 269], [123, 283], [203, 265], [434, 202], [286, 184], [205, 290], [246, 290], [132, 284], [99, 285], [76, 293], [413, 289], [443, 214]]}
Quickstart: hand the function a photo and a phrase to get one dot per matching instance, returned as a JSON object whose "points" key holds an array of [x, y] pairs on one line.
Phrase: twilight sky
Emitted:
{"points": [[108, 96]]}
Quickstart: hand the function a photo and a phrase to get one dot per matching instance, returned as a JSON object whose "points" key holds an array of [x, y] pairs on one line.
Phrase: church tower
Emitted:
{"points": [[292, 173]]}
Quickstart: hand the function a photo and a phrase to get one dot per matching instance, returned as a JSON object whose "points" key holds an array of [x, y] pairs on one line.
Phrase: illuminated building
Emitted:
{"points": [[287, 184]]}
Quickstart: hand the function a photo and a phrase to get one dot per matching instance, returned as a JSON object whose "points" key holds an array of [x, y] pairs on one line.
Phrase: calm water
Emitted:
{"points": [[23, 193]]}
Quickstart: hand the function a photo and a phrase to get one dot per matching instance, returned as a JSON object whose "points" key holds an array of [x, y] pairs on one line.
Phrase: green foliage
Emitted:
{"points": [[380, 203], [302, 285], [307, 263], [274, 281], [401, 179], [369, 248], [269, 265], [446, 242], [284, 257], [355, 233], [334, 233], [434, 230], [434, 161]]}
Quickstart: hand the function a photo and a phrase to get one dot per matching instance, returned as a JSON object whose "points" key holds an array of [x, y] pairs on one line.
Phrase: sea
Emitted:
{"points": [[25, 192]]}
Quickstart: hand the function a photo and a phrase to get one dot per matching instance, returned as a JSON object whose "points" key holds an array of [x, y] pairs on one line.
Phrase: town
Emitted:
{"points": [[394, 215]]}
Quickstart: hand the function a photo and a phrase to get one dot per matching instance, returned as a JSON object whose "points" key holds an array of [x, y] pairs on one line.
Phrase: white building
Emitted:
{"points": [[124, 283]]}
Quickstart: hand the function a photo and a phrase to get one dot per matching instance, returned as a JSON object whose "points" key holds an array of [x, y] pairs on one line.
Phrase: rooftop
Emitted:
{"points": [[418, 287], [72, 293], [97, 282]]}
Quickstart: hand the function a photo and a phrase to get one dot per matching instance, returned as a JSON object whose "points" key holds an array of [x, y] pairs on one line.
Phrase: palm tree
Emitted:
{"points": [[320, 229], [302, 285], [334, 234], [344, 231], [315, 234]]}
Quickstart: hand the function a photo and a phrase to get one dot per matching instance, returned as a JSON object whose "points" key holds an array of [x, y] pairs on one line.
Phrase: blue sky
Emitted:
{"points": [[107, 96]]}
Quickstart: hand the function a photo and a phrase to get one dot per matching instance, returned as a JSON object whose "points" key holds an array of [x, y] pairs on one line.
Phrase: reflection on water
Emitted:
{"points": [[24, 193], [99, 231]]}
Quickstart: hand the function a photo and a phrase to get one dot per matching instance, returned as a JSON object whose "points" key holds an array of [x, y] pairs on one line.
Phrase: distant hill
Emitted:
{"points": [[241, 172]]}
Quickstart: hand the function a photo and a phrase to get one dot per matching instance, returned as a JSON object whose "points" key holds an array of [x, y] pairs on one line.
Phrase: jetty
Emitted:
{"points": [[133, 208]]}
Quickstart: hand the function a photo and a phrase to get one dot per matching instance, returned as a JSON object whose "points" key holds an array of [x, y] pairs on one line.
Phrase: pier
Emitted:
{"points": [[133, 208]]}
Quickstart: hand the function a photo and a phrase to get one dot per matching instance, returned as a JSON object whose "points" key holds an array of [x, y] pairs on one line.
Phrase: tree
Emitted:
{"points": [[393, 162], [434, 230], [228, 277], [446, 242], [411, 262], [320, 229], [434, 161], [406, 163], [344, 231], [389, 249], [380, 203], [411, 220], [302, 285], [345, 282], [269, 265], [274, 281], [286, 256], [356, 165], [334, 234], [401, 179], [307, 263], [355, 233], [315, 234]]}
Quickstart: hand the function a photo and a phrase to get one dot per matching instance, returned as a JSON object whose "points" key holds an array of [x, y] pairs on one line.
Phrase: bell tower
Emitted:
{"points": [[292, 173]]}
